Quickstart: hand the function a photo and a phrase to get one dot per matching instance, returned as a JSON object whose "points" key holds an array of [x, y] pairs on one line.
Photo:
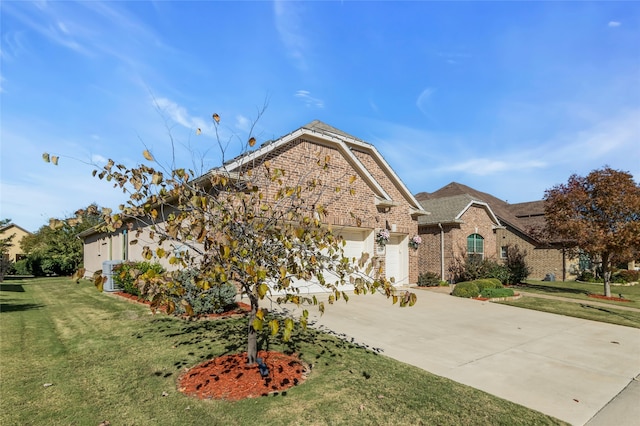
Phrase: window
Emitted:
{"points": [[503, 252], [475, 247]]}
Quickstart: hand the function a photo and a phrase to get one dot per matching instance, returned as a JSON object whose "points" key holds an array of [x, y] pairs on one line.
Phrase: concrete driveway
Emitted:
{"points": [[564, 367]]}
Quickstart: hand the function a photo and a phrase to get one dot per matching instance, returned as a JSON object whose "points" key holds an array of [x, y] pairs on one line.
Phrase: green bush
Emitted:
{"points": [[466, 289], [21, 267], [498, 271], [516, 264], [490, 293], [125, 274], [627, 276], [205, 295], [429, 279], [488, 283]]}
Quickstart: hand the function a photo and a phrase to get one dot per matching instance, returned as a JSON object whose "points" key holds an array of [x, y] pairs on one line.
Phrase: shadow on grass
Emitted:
{"points": [[8, 306], [208, 339], [618, 313], [17, 288], [552, 289]]}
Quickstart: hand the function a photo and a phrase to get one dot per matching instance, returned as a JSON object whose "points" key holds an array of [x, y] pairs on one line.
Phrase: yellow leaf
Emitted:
{"points": [[352, 179], [216, 117], [45, 157], [275, 326], [252, 141], [160, 252], [198, 131], [147, 155], [54, 160], [262, 290], [395, 299], [257, 324], [260, 314]]}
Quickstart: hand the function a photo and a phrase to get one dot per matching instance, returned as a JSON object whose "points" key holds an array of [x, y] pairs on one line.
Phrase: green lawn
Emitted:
{"points": [[580, 291], [108, 359]]}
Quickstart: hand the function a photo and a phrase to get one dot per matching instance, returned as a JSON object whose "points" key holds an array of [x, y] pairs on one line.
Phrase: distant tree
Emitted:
{"points": [[255, 226], [5, 244], [600, 213], [55, 248]]}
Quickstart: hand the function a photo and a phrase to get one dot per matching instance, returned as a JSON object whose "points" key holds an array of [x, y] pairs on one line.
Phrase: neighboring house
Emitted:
{"points": [[467, 222], [381, 201], [14, 252]]}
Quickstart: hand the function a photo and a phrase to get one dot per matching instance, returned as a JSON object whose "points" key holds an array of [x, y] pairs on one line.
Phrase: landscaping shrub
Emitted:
{"points": [[588, 276], [125, 274], [500, 272], [515, 262], [203, 294], [429, 279], [486, 283], [490, 293], [627, 276], [469, 269], [466, 289], [21, 267]]}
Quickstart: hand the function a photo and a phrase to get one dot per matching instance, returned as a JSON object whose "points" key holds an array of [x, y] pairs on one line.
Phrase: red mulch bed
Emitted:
{"points": [[230, 378], [241, 308], [615, 299]]}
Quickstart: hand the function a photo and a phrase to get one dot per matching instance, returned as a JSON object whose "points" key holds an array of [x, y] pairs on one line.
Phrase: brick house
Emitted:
{"points": [[380, 200], [466, 222]]}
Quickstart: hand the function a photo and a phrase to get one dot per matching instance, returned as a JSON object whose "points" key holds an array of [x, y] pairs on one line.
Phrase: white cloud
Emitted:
{"points": [[614, 24], [287, 22], [423, 100], [181, 116], [492, 166], [309, 100], [243, 123], [98, 159]]}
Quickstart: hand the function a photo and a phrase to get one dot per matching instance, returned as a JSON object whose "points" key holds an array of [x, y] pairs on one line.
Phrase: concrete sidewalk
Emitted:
{"points": [[565, 367]]}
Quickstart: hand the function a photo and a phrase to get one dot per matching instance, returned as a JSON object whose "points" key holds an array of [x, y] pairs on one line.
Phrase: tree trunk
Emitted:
{"points": [[252, 335], [606, 274]]}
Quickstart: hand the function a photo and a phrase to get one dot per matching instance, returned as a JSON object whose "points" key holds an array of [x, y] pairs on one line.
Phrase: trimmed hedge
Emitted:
{"points": [[490, 293], [466, 289], [488, 283]]}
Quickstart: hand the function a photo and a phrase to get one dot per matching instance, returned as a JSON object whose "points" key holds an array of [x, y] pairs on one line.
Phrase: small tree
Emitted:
{"points": [[255, 225], [600, 213], [516, 265]]}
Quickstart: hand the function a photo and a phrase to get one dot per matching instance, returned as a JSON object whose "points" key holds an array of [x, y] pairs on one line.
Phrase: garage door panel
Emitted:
{"points": [[354, 247]]}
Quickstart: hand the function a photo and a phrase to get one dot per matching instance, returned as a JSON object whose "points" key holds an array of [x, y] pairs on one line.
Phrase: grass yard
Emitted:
{"points": [[109, 359], [580, 291]]}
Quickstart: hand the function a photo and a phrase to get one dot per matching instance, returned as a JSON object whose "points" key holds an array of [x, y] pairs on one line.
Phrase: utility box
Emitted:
{"points": [[107, 271]]}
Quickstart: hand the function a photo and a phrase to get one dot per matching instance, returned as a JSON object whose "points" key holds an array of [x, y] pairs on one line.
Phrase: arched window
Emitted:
{"points": [[475, 247]]}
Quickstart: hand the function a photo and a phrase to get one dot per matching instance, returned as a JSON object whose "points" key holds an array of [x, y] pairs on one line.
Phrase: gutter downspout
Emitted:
{"points": [[441, 251]]}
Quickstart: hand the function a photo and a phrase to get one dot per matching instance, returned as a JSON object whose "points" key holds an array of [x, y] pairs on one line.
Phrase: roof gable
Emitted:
{"points": [[323, 134], [451, 209]]}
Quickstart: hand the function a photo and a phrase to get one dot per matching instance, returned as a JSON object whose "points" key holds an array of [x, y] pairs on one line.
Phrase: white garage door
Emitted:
{"points": [[396, 259], [355, 246]]}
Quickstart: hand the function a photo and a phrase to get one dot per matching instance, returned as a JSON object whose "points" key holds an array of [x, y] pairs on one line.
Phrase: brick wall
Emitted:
{"points": [[299, 159]]}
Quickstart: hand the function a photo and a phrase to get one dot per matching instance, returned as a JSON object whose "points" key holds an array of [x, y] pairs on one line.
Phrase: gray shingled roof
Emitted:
{"points": [[501, 208], [321, 127], [447, 209]]}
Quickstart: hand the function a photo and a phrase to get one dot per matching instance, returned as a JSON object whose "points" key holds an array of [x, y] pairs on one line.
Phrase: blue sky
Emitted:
{"points": [[507, 97]]}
